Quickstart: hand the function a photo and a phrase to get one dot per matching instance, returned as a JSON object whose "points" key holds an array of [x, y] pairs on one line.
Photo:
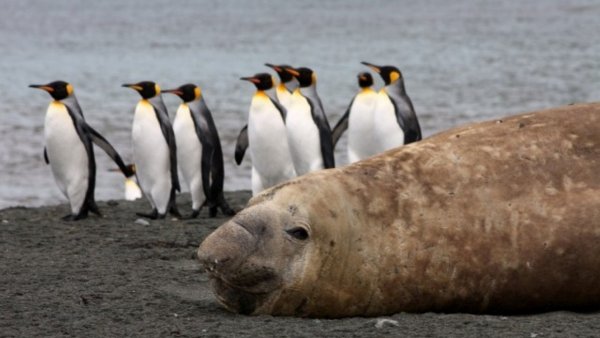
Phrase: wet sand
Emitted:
{"points": [[114, 277]]}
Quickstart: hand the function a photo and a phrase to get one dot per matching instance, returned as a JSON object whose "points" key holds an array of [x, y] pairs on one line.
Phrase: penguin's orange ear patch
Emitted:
{"points": [[197, 92], [394, 76]]}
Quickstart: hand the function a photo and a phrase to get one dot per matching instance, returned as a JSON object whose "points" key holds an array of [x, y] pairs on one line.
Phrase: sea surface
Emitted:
{"points": [[462, 61]]}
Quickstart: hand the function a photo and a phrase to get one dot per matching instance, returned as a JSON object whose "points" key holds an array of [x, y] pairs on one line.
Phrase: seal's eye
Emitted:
{"points": [[298, 233]]}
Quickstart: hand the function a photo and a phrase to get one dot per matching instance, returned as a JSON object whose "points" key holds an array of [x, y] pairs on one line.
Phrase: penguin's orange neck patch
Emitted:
{"points": [[57, 104], [366, 90], [145, 103], [261, 94]]}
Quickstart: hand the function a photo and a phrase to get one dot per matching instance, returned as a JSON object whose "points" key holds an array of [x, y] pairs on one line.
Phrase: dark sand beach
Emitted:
{"points": [[115, 276]]}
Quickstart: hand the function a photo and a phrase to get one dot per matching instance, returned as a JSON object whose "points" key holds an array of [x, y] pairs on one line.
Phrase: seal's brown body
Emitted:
{"points": [[494, 217]]}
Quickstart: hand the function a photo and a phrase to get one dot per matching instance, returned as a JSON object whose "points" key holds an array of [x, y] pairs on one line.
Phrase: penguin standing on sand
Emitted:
{"points": [[69, 149], [395, 120], [266, 137], [199, 151], [358, 119], [286, 86], [308, 131], [154, 151]]}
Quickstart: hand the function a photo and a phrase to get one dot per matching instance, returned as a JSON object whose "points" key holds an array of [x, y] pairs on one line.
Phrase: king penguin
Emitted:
{"points": [[308, 131], [154, 150], [69, 149], [287, 84], [358, 119], [395, 120], [266, 137], [199, 151]]}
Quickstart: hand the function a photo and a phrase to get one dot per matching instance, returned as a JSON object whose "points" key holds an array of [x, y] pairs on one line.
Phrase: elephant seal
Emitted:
{"points": [[494, 217]]}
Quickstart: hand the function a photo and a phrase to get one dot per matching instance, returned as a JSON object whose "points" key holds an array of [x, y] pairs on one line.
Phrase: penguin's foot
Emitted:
{"points": [[71, 217], [226, 210], [193, 215], [153, 215], [212, 211], [94, 209], [174, 211]]}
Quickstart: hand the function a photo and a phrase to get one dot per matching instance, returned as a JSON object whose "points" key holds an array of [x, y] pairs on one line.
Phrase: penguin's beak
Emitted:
{"points": [[275, 68], [372, 66], [43, 87], [175, 91], [251, 79], [132, 86], [292, 71]]}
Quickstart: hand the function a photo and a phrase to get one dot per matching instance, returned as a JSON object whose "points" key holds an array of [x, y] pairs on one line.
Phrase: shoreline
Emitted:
{"points": [[116, 276]]}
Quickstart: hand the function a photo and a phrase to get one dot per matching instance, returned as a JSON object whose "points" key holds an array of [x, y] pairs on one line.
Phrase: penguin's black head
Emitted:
{"points": [[284, 76], [305, 76], [59, 90], [262, 81], [188, 92], [365, 80], [147, 89], [389, 74]]}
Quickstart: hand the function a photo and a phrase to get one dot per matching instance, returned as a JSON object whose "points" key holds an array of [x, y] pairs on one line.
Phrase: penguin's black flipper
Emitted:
{"points": [[241, 145], [280, 108], [46, 156], [103, 143], [324, 134], [167, 130], [208, 148], [341, 126], [407, 119]]}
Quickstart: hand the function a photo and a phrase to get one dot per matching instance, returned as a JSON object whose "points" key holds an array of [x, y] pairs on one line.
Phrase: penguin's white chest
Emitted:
{"points": [[361, 132], [387, 130], [284, 97], [66, 152], [189, 148], [268, 142], [150, 149], [303, 136]]}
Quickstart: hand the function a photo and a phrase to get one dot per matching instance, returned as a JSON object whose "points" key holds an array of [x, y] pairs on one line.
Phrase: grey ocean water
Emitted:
{"points": [[462, 61]]}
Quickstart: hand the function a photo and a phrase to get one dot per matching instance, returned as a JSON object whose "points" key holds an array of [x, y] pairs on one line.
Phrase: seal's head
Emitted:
{"points": [[288, 253], [254, 257]]}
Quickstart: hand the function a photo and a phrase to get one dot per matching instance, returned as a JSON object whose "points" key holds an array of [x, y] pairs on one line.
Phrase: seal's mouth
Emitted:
{"points": [[245, 288], [237, 299], [243, 275]]}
